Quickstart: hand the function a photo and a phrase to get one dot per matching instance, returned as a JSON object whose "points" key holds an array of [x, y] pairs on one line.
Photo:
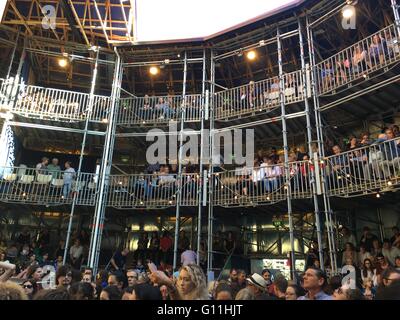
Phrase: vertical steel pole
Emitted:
{"points": [[180, 156], [201, 174], [317, 112], [211, 172], [103, 180], [286, 154], [395, 8], [310, 152], [89, 114], [12, 56]]}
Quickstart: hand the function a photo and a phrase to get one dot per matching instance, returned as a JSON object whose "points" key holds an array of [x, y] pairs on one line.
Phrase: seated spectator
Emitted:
{"points": [[362, 255], [381, 265], [389, 276], [350, 253], [376, 248], [367, 239], [390, 252], [368, 289], [395, 239], [369, 272], [346, 237]]}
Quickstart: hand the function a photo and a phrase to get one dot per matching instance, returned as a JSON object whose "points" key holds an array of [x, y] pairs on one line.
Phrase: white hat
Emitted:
{"points": [[258, 281]]}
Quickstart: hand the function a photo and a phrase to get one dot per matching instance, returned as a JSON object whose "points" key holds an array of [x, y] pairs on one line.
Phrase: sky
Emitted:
{"points": [[160, 20]]}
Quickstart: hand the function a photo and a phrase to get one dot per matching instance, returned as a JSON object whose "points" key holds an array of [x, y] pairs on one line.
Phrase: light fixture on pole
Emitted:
{"points": [[348, 11], [251, 55], [154, 70], [62, 62]]}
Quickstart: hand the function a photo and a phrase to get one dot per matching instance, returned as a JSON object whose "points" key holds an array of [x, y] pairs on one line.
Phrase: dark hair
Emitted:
{"points": [[232, 269], [297, 289], [265, 271], [320, 274], [81, 291], [386, 241], [281, 283], [31, 270], [335, 282], [223, 287], [34, 285], [62, 272], [52, 294], [128, 290], [119, 276], [144, 291], [387, 272], [391, 292], [113, 292], [354, 294]]}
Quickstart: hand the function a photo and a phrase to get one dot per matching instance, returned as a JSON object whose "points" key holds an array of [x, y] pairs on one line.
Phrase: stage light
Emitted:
{"points": [[390, 183], [154, 71], [251, 55], [348, 11], [378, 195], [62, 62]]}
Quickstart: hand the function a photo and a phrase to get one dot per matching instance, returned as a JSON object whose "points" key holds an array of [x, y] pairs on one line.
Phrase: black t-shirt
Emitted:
{"points": [[119, 259]]}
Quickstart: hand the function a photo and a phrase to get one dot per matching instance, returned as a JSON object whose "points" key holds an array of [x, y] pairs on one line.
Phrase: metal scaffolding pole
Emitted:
{"points": [[310, 152], [13, 56], [317, 112], [201, 174], [99, 214], [211, 173], [286, 154], [395, 8], [75, 197], [180, 156]]}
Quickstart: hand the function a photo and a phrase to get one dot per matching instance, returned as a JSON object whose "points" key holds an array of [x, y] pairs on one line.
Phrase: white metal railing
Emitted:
{"points": [[366, 170], [358, 61], [41, 186], [258, 96], [58, 105], [264, 184], [158, 109], [152, 191]]}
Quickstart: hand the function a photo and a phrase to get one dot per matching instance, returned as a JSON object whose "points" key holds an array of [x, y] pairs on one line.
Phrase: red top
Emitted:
{"points": [[165, 243]]}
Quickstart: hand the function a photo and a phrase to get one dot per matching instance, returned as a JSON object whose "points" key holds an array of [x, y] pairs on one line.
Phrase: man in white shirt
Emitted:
{"points": [[69, 176], [75, 254], [389, 252]]}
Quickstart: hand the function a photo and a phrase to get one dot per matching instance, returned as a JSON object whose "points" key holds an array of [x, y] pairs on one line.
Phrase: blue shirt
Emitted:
{"points": [[319, 296]]}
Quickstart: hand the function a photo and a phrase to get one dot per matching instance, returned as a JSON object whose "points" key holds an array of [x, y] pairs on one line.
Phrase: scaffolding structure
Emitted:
{"points": [[205, 109]]}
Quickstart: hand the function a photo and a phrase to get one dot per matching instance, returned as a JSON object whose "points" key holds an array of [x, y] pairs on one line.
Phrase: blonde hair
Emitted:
{"points": [[12, 291], [245, 294], [198, 279]]}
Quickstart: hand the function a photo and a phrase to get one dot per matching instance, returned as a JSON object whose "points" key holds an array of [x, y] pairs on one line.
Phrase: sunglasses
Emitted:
{"points": [[27, 286]]}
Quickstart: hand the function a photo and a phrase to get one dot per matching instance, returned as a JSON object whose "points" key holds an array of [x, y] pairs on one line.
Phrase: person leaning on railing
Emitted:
{"points": [[391, 153]]}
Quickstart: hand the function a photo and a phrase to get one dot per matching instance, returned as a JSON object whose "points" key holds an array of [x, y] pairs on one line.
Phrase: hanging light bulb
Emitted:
{"points": [[62, 62], [251, 55], [154, 70]]}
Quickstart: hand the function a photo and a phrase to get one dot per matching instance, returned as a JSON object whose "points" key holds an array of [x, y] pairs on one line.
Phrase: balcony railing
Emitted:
{"points": [[265, 184], [41, 186], [257, 97], [358, 61], [366, 170], [53, 104], [152, 191]]}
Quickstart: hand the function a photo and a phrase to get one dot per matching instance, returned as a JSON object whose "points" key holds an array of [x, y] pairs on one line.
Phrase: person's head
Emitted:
{"points": [[363, 249], [86, 278], [63, 276], [145, 291], [257, 284], [366, 231], [386, 244], [336, 149], [314, 280], [389, 276], [349, 246], [29, 287], [116, 279], [316, 263], [349, 261], [35, 272], [81, 291], [280, 286], [223, 292], [52, 294], [11, 291], [45, 256], [132, 277], [245, 294], [233, 275], [77, 242], [294, 291], [367, 264], [389, 134], [111, 293], [67, 165], [241, 276], [266, 274], [381, 259], [353, 141], [128, 293], [395, 230], [54, 161], [345, 293], [45, 160], [376, 244], [164, 292], [391, 292], [397, 262], [368, 283], [191, 283]]}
